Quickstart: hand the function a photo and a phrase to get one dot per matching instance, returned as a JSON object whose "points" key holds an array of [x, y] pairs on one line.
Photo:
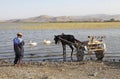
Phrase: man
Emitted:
{"points": [[18, 49]]}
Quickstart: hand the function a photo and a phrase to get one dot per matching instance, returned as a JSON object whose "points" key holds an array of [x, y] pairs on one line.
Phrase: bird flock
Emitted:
{"points": [[33, 43]]}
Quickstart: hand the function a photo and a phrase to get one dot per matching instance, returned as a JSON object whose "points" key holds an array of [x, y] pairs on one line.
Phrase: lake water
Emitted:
{"points": [[43, 52]]}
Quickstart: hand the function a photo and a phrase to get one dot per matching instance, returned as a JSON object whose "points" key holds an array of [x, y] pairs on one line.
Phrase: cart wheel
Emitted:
{"points": [[80, 54], [99, 55]]}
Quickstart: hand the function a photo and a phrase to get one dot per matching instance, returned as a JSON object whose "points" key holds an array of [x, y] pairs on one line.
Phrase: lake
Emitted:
{"points": [[43, 52]]}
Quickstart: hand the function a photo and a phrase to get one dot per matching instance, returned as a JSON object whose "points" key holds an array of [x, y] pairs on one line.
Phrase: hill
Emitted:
{"points": [[47, 18]]}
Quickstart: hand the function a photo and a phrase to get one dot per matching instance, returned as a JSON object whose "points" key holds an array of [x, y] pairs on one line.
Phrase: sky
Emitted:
{"points": [[19, 9]]}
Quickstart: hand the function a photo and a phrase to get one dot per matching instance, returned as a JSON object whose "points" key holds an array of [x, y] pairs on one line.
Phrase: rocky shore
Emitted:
{"points": [[61, 70]]}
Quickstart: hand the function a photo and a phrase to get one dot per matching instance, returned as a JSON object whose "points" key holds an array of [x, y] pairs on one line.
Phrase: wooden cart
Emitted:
{"points": [[94, 44]]}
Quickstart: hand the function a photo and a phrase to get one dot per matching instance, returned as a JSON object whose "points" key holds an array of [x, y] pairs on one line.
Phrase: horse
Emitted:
{"points": [[69, 40]]}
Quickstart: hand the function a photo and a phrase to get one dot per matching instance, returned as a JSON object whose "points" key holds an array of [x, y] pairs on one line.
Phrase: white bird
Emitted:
{"points": [[47, 42], [32, 43]]}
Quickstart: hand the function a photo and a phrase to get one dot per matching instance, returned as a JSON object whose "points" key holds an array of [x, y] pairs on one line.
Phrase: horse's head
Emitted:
{"points": [[56, 38]]}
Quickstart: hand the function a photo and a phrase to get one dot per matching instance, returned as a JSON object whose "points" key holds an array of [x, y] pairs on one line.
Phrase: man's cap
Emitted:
{"points": [[19, 34]]}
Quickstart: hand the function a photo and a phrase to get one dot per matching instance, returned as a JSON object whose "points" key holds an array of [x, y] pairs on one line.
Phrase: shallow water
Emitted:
{"points": [[43, 52]]}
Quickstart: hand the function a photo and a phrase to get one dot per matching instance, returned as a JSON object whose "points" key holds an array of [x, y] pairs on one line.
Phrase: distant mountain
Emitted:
{"points": [[46, 18]]}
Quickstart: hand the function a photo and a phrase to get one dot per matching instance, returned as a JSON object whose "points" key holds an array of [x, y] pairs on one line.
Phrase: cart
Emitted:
{"points": [[94, 44]]}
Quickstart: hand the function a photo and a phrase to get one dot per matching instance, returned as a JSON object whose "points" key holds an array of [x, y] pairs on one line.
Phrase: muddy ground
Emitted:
{"points": [[61, 70]]}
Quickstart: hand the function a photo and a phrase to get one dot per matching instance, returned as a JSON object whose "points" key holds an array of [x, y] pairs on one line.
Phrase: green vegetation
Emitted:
{"points": [[78, 25], [82, 25]]}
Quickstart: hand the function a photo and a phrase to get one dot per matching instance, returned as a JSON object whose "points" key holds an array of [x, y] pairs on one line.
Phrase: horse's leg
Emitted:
{"points": [[71, 52], [64, 52]]}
